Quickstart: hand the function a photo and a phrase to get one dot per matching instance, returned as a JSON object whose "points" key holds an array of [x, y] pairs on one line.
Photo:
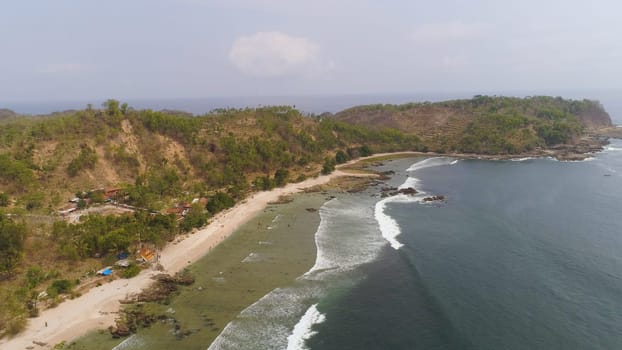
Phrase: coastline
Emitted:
{"points": [[98, 308], [267, 253]]}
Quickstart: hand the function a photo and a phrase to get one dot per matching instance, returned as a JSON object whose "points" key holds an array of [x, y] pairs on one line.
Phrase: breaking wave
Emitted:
{"points": [[389, 228], [303, 330], [346, 238], [432, 162]]}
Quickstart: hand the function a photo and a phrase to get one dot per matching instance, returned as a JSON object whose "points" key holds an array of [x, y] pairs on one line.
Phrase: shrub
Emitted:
{"points": [[341, 157], [34, 276], [218, 202], [365, 151], [85, 160], [130, 271], [328, 167], [4, 199], [16, 325], [280, 177], [59, 287]]}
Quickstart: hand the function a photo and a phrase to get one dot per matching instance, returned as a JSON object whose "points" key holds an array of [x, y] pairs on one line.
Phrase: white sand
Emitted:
{"points": [[97, 308]]}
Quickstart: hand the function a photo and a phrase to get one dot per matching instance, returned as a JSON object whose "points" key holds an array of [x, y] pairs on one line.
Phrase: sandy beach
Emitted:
{"points": [[98, 308]]}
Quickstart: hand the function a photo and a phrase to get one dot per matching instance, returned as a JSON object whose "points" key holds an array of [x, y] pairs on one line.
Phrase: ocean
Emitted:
{"points": [[523, 254], [316, 104]]}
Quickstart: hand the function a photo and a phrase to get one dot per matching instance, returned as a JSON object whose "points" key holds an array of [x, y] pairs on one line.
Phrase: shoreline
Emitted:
{"points": [[98, 308]]}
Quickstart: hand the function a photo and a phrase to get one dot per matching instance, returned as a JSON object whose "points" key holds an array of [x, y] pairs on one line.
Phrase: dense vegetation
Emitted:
{"points": [[168, 159], [158, 160], [485, 124]]}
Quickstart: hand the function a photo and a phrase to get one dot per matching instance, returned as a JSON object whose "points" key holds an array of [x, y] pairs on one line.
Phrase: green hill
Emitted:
{"points": [[159, 163], [487, 125]]}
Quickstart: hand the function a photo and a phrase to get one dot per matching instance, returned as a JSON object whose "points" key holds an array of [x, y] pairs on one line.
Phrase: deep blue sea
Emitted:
{"points": [[522, 254]]}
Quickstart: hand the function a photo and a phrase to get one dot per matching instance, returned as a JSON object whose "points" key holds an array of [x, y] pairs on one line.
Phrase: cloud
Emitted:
{"points": [[275, 54], [63, 68], [447, 31]]}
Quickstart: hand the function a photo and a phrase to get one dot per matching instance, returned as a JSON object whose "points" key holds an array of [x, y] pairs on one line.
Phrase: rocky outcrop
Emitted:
{"points": [[394, 191], [164, 286], [434, 198]]}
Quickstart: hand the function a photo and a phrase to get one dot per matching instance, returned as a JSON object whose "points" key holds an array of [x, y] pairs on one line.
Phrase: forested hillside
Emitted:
{"points": [[157, 164], [165, 173], [487, 125]]}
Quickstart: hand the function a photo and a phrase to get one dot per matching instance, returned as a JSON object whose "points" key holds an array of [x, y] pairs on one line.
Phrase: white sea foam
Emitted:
{"points": [[588, 159], [411, 182], [454, 162], [322, 262], [522, 159], [132, 342], [431, 162], [266, 324], [303, 330], [252, 257], [613, 149], [388, 226], [345, 239]]}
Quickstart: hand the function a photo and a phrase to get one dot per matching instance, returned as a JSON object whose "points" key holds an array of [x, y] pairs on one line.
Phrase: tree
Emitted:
{"points": [[218, 202], [329, 166], [263, 183], [341, 157], [85, 160], [112, 107], [81, 204], [280, 177], [4, 199], [12, 237], [365, 151], [196, 217], [97, 196]]}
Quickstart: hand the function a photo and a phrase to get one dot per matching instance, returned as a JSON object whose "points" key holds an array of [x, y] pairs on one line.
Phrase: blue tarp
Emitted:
{"points": [[107, 272], [122, 256]]}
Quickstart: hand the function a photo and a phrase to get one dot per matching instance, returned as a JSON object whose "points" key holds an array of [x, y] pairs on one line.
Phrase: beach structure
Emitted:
{"points": [[146, 255], [111, 192], [68, 209], [106, 271], [123, 263]]}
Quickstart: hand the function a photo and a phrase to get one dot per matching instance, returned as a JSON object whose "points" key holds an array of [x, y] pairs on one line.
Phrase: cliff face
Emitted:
{"points": [[595, 117]]}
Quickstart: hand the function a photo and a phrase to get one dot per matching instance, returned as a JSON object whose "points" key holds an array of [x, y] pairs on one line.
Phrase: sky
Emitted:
{"points": [[87, 49]]}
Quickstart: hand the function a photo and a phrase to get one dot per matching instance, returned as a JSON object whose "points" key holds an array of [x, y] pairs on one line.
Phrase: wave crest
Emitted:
{"points": [[432, 162], [303, 330]]}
